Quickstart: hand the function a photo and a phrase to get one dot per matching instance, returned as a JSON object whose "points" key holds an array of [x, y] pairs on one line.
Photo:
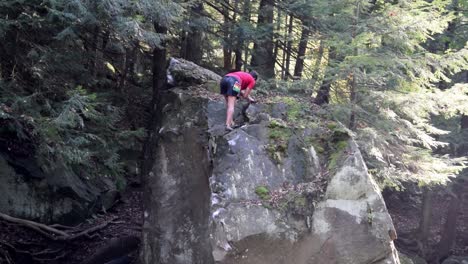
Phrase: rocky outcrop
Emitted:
{"points": [[54, 196], [456, 260], [279, 189], [182, 72]]}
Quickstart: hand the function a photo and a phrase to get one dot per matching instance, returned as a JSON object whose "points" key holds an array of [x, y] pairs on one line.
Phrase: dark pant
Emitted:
{"points": [[227, 86]]}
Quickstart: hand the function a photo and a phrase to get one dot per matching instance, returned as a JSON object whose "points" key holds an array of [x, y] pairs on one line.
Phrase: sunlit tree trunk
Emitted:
{"points": [[302, 48], [284, 48], [289, 46], [318, 64], [352, 79], [323, 94], [277, 41], [353, 100]]}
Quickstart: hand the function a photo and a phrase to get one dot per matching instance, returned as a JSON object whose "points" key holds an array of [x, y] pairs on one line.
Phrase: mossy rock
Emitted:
{"points": [[340, 134], [337, 148], [277, 123], [332, 125], [278, 134], [212, 86], [295, 108], [316, 143], [279, 131], [340, 145], [405, 259]]}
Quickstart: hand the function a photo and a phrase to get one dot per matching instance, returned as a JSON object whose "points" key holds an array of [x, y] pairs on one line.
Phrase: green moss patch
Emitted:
{"points": [[337, 149], [295, 108], [262, 192], [278, 135]]}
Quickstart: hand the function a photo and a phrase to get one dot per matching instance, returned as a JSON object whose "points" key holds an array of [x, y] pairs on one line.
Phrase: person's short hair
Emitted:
{"points": [[254, 74]]}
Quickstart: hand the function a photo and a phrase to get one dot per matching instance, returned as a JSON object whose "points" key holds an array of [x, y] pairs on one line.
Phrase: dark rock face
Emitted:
{"points": [[177, 198], [456, 260], [56, 196], [253, 195]]}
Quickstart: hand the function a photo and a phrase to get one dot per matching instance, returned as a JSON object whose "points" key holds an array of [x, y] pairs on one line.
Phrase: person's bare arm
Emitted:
{"points": [[246, 95]]}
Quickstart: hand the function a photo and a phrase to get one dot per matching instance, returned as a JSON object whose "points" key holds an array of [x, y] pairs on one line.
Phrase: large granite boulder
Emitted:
{"points": [[276, 190], [182, 72]]}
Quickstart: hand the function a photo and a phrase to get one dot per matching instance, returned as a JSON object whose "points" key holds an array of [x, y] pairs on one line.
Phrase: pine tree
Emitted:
{"points": [[262, 54]]}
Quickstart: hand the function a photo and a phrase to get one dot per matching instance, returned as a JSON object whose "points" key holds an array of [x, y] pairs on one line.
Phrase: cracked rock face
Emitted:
{"points": [[228, 197], [59, 195]]}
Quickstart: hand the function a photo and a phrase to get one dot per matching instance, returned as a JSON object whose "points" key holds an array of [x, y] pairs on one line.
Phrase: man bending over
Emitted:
{"points": [[235, 85]]}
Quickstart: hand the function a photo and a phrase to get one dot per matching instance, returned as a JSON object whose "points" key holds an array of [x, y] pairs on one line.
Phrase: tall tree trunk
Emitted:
{"points": [[238, 42], [353, 88], [450, 228], [353, 101], [277, 41], [318, 63], [8, 55], [192, 48], [464, 122], [150, 252], [159, 66], [425, 221], [299, 67], [289, 46], [124, 70], [246, 17], [132, 60], [283, 45], [262, 55], [323, 94], [95, 52], [227, 52], [238, 60]]}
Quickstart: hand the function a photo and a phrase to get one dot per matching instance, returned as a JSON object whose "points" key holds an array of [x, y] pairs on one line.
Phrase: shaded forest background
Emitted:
{"points": [[79, 79]]}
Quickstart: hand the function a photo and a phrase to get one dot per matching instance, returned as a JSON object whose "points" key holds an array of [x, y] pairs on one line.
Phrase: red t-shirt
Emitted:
{"points": [[246, 80]]}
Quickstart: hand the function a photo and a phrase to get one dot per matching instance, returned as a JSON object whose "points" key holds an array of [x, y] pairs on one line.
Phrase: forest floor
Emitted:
{"points": [[127, 212], [32, 247], [406, 213]]}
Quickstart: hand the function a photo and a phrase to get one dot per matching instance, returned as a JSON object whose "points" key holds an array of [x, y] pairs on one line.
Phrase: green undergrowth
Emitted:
{"points": [[297, 110]]}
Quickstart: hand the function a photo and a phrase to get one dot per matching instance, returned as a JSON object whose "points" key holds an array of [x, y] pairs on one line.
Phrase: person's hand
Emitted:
{"points": [[251, 99]]}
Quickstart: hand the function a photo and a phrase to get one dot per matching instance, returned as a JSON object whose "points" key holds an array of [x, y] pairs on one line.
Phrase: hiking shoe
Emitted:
{"points": [[228, 128]]}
